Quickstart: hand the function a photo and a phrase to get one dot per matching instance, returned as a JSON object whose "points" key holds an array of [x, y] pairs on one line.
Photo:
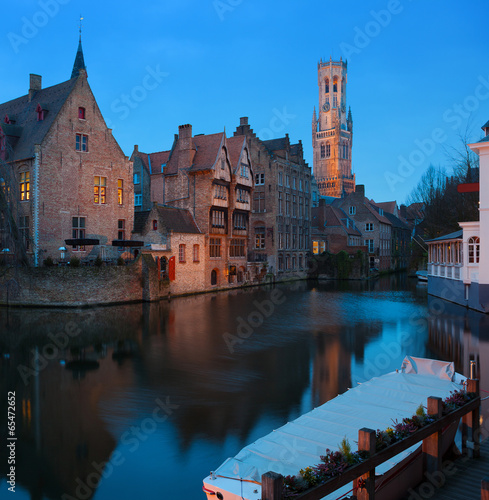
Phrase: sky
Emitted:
{"points": [[418, 71]]}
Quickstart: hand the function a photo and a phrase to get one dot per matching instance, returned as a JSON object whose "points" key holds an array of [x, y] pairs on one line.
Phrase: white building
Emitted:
{"points": [[458, 268]]}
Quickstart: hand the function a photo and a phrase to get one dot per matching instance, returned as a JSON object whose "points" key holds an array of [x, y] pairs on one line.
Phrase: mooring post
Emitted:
{"points": [[471, 424], [271, 486], [366, 484], [485, 489], [432, 453]]}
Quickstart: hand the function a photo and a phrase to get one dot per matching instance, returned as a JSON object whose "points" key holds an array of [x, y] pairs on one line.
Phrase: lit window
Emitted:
{"points": [[81, 113], [81, 143], [259, 238], [196, 253], [326, 86], [25, 186], [181, 252], [99, 190], [120, 191], [78, 225]]}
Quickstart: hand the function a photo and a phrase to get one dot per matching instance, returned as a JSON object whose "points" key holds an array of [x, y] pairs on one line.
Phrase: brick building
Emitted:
{"points": [[210, 176], [374, 226], [63, 173], [172, 238], [281, 210]]}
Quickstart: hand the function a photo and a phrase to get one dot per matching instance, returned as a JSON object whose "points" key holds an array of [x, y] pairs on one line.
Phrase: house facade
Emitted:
{"points": [[63, 175], [458, 263], [280, 223], [211, 176]]}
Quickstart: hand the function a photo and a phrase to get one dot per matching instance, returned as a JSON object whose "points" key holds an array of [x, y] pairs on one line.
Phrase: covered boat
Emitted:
{"points": [[374, 404]]}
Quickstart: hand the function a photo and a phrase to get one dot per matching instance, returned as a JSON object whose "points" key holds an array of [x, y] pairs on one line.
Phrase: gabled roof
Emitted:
{"points": [[235, 148], [156, 160], [277, 144], [337, 217], [27, 130], [178, 220], [208, 148], [386, 206]]}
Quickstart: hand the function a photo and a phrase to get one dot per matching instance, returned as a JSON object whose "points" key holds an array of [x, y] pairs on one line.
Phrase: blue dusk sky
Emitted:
{"points": [[418, 72]]}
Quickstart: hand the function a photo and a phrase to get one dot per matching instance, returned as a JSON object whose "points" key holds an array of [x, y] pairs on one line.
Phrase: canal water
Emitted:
{"points": [[143, 400]]}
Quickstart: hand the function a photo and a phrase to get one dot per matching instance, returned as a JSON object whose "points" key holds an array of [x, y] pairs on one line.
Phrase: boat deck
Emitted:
{"points": [[465, 483]]}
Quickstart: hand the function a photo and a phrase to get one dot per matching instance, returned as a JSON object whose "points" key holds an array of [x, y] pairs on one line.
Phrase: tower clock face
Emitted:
{"points": [[326, 106]]}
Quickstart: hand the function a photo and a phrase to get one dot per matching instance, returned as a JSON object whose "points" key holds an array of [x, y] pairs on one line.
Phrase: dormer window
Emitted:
{"points": [[40, 113], [155, 225], [81, 113]]}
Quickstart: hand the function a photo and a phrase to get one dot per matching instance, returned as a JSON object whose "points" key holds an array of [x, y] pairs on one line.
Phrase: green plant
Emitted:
{"points": [[75, 262], [48, 262]]}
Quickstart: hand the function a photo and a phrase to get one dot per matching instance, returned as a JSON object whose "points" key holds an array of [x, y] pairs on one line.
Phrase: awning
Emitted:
{"points": [[127, 243], [82, 241]]}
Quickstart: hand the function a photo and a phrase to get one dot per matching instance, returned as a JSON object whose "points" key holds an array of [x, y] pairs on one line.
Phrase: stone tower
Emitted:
{"points": [[332, 132]]}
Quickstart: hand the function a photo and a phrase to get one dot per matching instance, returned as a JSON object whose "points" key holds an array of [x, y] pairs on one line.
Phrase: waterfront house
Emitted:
{"points": [[62, 173], [458, 263]]}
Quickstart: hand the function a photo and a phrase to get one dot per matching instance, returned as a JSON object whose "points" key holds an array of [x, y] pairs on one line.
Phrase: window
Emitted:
{"points": [[335, 84], [280, 202], [81, 142], [155, 225], [99, 190], [120, 191], [287, 204], [25, 186], [280, 179], [218, 219], [5, 189], [24, 230], [215, 247], [287, 236], [40, 113], [214, 277], [196, 253], [287, 180], [78, 225], [259, 179], [301, 206], [81, 113], [138, 200], [335, 101], [294, 183], [259, 238], [223, 164], [352, 210], [474, 247], [294, 236], [237, 248], [220, 192], [242, 196], [300, 261], [259, 201], [121, 229], [136, 178], [328, 150], [315, 247], [370, 245], [240, 221], [326, 86], [294, 205], [244, 170], [323, 151], [307, 187], [181, 252], [300, 184], [280, 262], [369, 226]]}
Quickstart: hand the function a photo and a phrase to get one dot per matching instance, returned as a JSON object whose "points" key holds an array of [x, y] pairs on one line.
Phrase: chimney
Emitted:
{"points": [[403, 211], [185, 146], [35, 84], [243, 120], [360, 189], [136, 148]]}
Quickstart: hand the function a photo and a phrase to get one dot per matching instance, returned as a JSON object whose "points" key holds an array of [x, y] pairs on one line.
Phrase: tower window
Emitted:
{"points": [[323, 150], [328, 150], [335, 84], [326, 86]]}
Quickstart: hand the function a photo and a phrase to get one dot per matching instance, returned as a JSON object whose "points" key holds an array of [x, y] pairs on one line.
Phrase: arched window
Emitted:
{"points": [[335, 84], [326, 86], [214, 277], [474, 243], [323, 150], [328, 150]]}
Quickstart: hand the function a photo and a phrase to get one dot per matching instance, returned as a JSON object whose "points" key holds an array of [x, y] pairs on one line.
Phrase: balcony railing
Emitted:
{"points": [[442, 270]]}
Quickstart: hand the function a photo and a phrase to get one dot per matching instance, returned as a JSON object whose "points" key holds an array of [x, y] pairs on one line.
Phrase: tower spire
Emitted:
{"points": [[79, 60]]}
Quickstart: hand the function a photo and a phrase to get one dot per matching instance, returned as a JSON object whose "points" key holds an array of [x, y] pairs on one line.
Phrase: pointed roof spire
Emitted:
{"points": [[79, 60]]}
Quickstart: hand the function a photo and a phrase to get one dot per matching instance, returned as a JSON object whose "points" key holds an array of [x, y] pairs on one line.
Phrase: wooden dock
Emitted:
{"points": [[464, 481]]}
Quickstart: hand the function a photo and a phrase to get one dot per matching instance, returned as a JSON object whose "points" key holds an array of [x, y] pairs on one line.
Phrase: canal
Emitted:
{"points": [[143, 400]]}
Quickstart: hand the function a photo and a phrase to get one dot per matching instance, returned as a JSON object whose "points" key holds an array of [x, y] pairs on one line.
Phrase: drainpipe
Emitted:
{"points": [[35, 208]]}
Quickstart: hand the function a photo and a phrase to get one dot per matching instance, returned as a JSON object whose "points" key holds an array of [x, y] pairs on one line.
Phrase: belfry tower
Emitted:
{"points": [[332, 132]]}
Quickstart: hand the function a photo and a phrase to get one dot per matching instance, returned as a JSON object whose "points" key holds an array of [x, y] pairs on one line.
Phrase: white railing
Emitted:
{"points": [[442, 270]]}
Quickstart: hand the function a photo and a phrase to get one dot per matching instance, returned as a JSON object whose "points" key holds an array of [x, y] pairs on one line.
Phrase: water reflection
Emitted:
{"points": [[143, 400]]}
